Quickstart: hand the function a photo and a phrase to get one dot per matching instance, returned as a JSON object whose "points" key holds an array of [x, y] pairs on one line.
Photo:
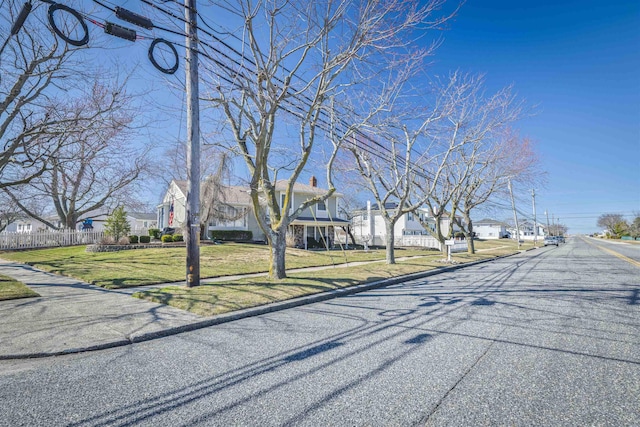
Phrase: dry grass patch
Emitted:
{"points": [[12, 289]]}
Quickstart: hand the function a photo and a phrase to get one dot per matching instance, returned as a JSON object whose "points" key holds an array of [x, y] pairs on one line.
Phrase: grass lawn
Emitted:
{"points": [[152, 266], [218, 298], [162, 265], [12, 289]]}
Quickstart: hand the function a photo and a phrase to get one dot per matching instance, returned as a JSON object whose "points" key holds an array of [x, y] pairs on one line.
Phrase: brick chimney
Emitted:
{"points": [[313, 181]]}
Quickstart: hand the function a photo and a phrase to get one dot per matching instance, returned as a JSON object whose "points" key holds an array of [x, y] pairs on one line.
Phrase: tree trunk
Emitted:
{"points": [[278, 246], [71, 221], [351, 236], [438, 234], [390, 243], [469, 235]]}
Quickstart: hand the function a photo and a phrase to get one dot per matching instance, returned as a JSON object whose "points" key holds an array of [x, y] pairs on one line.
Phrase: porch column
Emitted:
{"points": [[305, 237]]}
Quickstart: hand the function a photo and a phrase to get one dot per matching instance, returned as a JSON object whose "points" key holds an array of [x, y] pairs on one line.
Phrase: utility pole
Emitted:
{"points": [[515, 215], [548, 229], [192, 236], [535, 221], [553, 222]]}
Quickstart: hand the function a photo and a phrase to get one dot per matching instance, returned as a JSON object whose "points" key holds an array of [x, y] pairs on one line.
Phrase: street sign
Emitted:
{"points": [[450, 242]]}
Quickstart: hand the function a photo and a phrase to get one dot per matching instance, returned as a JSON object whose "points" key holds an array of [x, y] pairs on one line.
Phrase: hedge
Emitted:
{"points": [[231, 235], [133, 239], [145, 239]]}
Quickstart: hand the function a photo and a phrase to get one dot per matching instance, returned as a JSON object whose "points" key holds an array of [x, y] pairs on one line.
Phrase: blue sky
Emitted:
{"points": [[578, 62]]}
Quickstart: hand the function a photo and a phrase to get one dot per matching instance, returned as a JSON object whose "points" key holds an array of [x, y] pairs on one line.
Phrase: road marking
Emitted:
{"points": [[616, 254]]}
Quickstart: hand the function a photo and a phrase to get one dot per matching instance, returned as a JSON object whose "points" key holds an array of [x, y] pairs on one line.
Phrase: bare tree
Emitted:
{"points": [[97, 166], [473, 123], [9, 211], [34, 68], [614, 223], [505, 157], [296, 60]]}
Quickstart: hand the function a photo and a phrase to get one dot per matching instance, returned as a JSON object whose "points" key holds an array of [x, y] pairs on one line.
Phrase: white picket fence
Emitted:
{"points": [[428, 242], [48, 239], [421, 241]]}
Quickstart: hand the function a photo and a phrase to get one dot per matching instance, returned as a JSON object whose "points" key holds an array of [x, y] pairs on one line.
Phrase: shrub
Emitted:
{"points": [[108, 240], [154, 232], [167, 238], [124, 240], [459, 235], [177, 238], [134, 239], [291, 240], [231, 235], [117, 225], [145, 239]]}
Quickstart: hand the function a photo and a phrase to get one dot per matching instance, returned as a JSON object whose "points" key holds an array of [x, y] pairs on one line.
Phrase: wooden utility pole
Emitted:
{"points": [[535, 221], [192, 236], [548, 228], [515, 214]]}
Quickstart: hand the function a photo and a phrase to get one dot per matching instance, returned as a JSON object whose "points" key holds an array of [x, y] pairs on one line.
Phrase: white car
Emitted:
{"points": [[550, 240]]}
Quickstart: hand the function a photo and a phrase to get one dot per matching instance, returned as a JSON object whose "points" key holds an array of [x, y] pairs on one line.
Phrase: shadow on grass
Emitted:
{"points": [[219, 298]]}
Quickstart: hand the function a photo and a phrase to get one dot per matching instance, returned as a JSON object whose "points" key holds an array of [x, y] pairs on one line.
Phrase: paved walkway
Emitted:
{"points": [[72, 316]]}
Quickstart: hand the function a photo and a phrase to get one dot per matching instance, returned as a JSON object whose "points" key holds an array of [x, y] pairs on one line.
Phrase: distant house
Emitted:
{"points": [[94, 221], [24, 225], [142, 220], [490, 229], [368, 224], [318, 222], [527, 230]]}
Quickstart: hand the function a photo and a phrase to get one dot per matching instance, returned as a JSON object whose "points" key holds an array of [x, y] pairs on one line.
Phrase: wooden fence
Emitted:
{"points": [[48, 239]]}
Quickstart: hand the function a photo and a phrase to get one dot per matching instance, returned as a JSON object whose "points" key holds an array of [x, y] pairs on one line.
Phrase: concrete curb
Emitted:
{"points": [[255, 311]]}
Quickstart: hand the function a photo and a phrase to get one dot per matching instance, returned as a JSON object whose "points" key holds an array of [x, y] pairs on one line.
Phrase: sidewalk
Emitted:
{"points": [[72, 316]]}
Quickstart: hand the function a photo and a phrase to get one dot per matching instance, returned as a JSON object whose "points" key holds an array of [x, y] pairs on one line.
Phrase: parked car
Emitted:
{"points": [[550, 240], [167, 231], [560, 239]]}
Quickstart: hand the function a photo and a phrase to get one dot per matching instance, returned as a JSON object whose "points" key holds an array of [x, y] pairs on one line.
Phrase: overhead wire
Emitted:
{"points": [[375, 149]]}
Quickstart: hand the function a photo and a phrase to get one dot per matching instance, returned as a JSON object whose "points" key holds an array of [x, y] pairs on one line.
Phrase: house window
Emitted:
{"points": [[230, 217], [365, 217], [282, 196], [321, 206], [410, 216]]}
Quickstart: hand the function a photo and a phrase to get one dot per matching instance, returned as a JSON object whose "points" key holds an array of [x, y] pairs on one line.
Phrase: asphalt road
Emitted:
{"points": [[550, 337]]}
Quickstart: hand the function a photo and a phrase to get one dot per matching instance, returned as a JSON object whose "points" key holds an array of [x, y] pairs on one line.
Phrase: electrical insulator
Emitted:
{"points": [[26, 9], [134, 18], [118, 31]]}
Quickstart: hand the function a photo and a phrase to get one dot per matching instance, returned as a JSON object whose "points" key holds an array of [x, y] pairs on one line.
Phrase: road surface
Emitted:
{"points": [[548, 337]]}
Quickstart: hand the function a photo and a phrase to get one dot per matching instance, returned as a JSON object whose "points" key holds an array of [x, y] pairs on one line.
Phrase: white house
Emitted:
{"points": [[490, 229], [237, 204], [139, 222], [368, 225], [318, 222], [527, 230]]}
